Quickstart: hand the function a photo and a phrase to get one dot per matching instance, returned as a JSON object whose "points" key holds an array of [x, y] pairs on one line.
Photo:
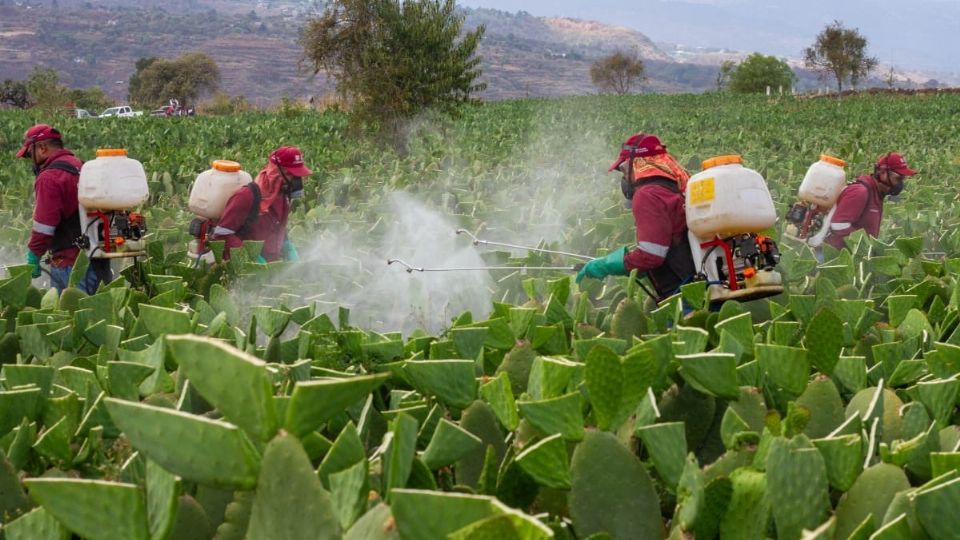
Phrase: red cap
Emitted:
{"points": [[39, 132], [291, 159], [895, 163], [640, 145]]}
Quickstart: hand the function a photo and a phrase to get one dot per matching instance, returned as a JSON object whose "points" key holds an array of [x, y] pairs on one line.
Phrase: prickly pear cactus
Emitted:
{"points": [[870, 496], [612, 492], [516, 364], [797, 486], [236, 517], [823, 401], [628, 320]]}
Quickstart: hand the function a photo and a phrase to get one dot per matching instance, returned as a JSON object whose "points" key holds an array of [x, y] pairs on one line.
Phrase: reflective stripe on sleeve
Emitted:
{"points": [[44, 229], [223, 231], [653, 249], [839, 226]]}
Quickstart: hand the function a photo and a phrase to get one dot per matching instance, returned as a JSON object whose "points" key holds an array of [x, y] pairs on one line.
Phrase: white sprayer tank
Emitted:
{"points": [[824, 181], [726, 199], [214, 187], [112, 181]]}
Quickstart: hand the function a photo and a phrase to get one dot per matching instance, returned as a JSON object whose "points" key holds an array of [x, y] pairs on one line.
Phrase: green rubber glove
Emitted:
{"points": [[261, 260], [290, 251], [610, 265], [34, 261]]}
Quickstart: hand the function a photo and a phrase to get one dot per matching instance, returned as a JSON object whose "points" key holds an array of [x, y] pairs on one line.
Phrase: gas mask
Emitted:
{"points": [[295, 187]]}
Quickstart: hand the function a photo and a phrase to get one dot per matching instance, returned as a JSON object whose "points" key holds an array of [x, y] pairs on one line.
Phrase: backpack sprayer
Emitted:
{"points": [[727, 207], [109, 187], [808, 220], [208, 197]]}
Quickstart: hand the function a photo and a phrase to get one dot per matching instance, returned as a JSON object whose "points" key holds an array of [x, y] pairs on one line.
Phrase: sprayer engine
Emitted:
{"points": [[198, 249], [113, 233], [808, 223], [739, 267]]}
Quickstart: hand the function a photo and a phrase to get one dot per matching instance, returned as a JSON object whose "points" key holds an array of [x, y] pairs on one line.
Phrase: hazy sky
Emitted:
{"points": [[921, 34]]}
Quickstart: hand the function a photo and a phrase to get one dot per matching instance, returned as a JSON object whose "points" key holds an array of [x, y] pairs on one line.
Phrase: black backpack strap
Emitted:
{"points": [[63, 166], [662, 182], [254, 209], [67, 232]]}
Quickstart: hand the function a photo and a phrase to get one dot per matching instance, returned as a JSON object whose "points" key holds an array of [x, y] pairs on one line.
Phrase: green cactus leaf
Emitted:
{"points": [[546, 462], [349, 490], [550, 377], [290, 502], [851, 372], [451, 381], [245, 397], [558, 415], [740, 328], [432, 515], [347, 450], [125, 379], [939, 397], [449, 443], [398, 459], [15, 405], [714, 374], [797, 486], [731, 425], [54, 442], [898, 529], [38, 524], [162, 489], [92, 508], [13, 500], [869, 497], [843, 457], [748, 510], [936, 506], [178, 441], [24, 374], [319, 400], [604, 380], [161, 321], [824, 340], [510, 525], [822, 399], [944, 462], [787, 367], [517, 365], [480, 420], [667, 445], [691, 495], [191, 521], [884, 404], [376, 524], [611, 491], [497, 393]]}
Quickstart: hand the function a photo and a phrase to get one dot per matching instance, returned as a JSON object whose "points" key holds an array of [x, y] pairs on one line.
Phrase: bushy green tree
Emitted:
{"points": [[840, 52], [93, 99], [756, 72], [45, 89], [185, 78], [392, 60], [14, 94], [618, 72]]}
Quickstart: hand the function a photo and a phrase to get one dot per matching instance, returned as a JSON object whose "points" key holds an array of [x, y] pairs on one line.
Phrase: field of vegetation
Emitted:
{"points": [[340, 397]]}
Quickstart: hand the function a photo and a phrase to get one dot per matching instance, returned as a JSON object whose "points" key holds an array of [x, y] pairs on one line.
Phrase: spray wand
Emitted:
{"points": [[410, 268], [478, 241]]}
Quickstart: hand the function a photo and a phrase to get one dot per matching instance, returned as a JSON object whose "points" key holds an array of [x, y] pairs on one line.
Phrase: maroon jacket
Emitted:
{"points": [[56, 200], [660, 216], [270, 227], [860, 206]]}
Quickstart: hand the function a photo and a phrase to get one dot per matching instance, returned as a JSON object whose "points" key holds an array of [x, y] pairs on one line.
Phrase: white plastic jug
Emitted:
{"points": [[214, 187], [112, 181], [726, 198], [824, 181]]}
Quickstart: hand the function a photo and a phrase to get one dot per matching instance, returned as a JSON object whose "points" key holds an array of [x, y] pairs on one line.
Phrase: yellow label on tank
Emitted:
{"points": [[702, 191]]}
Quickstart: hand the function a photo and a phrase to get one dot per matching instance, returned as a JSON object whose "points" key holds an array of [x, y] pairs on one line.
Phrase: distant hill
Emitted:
{"points": [[95, 43]]}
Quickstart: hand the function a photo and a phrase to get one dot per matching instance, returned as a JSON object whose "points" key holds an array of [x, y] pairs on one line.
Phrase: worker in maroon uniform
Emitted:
{"points": [[259, 210], [860, 205], [56, 217], [654, 183]]}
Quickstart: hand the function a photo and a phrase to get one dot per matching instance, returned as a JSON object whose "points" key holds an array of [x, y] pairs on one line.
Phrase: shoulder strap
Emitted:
{"points": [[663, 182], [63, 166], [254, 208], [870, 196]]}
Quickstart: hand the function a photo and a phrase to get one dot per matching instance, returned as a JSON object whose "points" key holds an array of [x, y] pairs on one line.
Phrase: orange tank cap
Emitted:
{"points": [[749, 272], [225, 165], [729, 159], [111, 152], [833, 160]]}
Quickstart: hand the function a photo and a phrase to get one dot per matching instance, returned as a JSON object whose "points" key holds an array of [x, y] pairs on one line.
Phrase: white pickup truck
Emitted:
{"points": [[124, 111]]}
